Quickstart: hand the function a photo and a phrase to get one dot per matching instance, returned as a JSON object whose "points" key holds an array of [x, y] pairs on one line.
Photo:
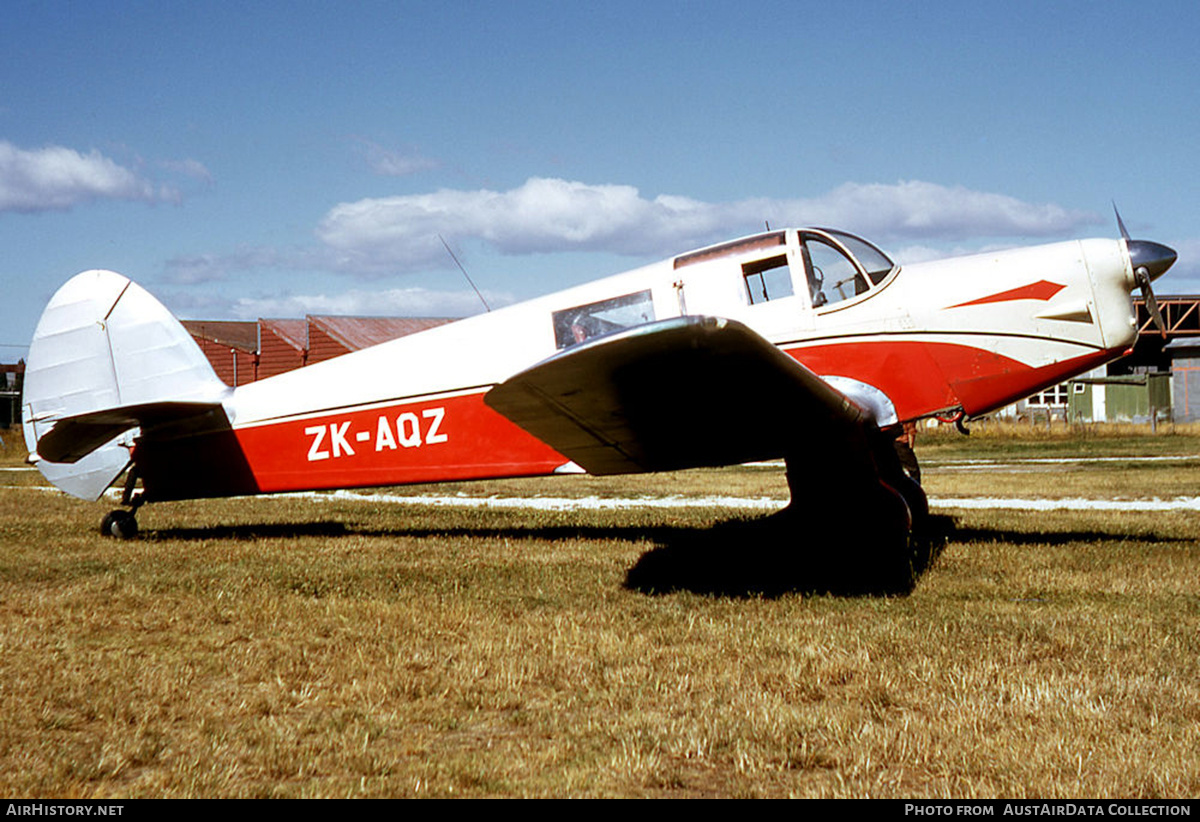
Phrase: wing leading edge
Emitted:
{"points": [[680, 393]]}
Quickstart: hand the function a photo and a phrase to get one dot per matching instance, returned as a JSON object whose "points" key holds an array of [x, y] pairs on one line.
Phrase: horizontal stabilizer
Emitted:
{"points": [[678, 393], [88, 477], [73, 438]]}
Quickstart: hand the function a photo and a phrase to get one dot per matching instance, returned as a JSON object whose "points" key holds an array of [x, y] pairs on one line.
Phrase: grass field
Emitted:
{"points": [[300, 647]]}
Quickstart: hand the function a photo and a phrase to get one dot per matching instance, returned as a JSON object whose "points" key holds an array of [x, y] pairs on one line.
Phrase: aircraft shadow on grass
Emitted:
{"points": [[765, 557], [775, 555], [969, 535], [253, 531]]}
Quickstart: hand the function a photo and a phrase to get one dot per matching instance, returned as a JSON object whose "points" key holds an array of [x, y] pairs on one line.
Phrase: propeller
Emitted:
{"points": [[1150, 261]]}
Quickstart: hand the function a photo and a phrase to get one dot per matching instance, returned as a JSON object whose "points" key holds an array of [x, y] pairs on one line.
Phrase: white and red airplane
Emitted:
{"points": [[804, 344]]}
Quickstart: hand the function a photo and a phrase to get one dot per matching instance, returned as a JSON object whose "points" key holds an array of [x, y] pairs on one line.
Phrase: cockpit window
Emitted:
{"points": [[584, 322], [834, 278], [767, 279], [874, 262], [841, 266]]}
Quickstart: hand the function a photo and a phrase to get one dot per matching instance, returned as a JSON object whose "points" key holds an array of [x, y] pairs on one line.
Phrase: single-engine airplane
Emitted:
{"points": [[806, 344]]}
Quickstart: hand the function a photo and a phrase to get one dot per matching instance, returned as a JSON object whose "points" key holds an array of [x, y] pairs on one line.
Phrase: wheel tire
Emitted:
{"points": [[120, 524]]}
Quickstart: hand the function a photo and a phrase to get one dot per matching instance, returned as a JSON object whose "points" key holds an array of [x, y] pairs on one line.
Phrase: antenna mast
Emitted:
{"points": [[464, 272]]}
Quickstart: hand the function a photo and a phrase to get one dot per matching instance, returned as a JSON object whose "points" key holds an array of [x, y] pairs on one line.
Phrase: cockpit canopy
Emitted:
{"points": [[839, 266], [835, 265]]}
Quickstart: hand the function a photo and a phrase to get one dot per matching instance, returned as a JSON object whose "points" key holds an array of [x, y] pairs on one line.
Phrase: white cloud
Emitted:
{"points": [[911, 254], [915, 209], [193, 269], [55, 178], [394, 235], [390, 234], [189, 168], [395, 163]]}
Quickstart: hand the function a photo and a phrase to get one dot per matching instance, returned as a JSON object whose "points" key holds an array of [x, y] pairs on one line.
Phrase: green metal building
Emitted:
{"points": [[1128, 398]]}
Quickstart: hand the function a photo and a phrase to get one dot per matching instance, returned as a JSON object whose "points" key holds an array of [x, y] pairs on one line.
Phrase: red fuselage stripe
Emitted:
{"points": [[446, 438], [923, 378]]}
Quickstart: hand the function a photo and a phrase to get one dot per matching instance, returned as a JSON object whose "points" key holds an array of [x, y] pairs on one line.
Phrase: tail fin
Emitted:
{"points": [[106, 358]]}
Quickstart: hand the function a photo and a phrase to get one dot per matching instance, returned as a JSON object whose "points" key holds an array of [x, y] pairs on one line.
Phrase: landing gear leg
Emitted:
{"points": [[865, 506], [122, 523], [929, 533], [857, 522], [904, 475]]}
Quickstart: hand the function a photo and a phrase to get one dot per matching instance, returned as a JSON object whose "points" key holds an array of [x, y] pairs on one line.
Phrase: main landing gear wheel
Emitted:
{"points": [[120, 523]]}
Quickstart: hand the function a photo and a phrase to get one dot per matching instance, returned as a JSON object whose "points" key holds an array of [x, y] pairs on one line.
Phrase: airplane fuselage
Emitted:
{"points": [[965, 335]]}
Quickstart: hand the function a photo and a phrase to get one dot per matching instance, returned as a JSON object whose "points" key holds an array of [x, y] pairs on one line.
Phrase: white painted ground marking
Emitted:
{"points": [[1062, 460], [733, 503], [1071, 504], [552, 503], [987, 462], [1033, 463], [766, 503], [753, 504]]}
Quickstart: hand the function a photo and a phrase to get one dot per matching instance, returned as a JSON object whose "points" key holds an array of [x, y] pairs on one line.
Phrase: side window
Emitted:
{"points": [[832, 277], [584, 322], [767, 279]]}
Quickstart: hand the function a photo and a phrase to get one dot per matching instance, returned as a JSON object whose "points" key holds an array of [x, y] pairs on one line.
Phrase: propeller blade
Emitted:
{"points": [[1155, 258], [1143, 279], [1149, 261], [1120, 222]]}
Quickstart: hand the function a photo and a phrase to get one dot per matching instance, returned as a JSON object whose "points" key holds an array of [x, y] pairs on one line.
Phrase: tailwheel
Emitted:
{"points": [[120, 523]]}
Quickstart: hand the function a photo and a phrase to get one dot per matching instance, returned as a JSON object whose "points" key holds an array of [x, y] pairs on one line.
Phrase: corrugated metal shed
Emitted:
{"points": [[1185, 378], [330, 336], [239, 334], [284, 346], [230, 346], [1131, 398], [242, 352], [293, 332], [11, 378]]}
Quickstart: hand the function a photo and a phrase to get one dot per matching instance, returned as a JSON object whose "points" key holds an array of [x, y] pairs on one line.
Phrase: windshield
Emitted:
{"points": [[874, 262], [840, 266]]}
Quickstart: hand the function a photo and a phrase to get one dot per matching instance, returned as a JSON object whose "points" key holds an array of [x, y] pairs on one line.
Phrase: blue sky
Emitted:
{"points": [[275, 159]]}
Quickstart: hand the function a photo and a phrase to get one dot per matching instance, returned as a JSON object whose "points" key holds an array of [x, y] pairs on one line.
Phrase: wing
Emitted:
{"points": [[679, 393]]}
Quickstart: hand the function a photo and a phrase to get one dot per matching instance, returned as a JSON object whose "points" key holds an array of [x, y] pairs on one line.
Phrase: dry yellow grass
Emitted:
{"points": [[281, 647]]}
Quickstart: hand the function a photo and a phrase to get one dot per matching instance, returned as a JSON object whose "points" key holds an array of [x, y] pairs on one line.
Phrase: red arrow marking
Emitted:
{"points": [[1041, 290]]}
